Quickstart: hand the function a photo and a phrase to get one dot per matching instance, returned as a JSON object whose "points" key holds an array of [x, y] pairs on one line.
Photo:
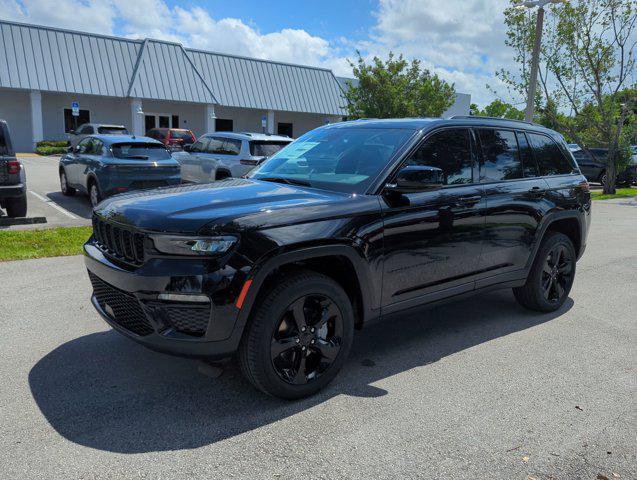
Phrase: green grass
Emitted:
{"points": [[620, 193], [54, 242]]}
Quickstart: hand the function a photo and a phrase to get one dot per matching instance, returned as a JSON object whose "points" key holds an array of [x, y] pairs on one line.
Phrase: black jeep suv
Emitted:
{"points": [[351, 222], [13, 185]]}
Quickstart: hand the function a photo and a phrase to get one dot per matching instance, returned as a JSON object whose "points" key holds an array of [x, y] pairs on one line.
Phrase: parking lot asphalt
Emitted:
{"points": [[476, 389], [44, 198]]}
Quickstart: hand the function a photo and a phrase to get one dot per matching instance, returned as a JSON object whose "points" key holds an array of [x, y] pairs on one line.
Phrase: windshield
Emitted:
{"points": [[185, 135], [112, 130], [140, 151], [266, 149], [343, 159]]}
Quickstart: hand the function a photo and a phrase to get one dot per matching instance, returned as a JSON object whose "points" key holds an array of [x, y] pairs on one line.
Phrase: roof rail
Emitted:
{"points": [[479, 117]]}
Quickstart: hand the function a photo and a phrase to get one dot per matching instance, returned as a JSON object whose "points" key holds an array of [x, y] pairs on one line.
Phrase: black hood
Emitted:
{"points": [[232, 204]]}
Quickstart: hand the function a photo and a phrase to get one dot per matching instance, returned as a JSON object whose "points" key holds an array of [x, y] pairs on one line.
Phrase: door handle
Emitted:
{"points": [[537, 192], [470, 199]]}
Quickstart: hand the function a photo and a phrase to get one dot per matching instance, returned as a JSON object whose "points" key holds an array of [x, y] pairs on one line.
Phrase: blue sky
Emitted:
{"points": [[461, 40]]}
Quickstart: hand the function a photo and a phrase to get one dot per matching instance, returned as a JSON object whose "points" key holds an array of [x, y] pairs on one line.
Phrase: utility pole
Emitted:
{"points": [[535, 58]]}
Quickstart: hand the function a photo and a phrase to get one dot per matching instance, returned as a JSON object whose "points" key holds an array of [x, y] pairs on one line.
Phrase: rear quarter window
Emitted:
{"points": [[549, 156], [4, 147]]}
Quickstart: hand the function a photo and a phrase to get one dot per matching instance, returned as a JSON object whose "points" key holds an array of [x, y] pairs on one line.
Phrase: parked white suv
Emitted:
{"points": [[86, 129], [219, 155]]}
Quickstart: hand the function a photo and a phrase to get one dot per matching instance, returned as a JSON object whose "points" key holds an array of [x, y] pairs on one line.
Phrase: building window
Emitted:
{"points": [[71, 122], [149, 122], [285, 129], [223, 125], [175, 121]]}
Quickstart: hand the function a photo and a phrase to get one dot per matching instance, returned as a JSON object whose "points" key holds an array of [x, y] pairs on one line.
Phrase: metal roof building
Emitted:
{"points": [[150, 83]]}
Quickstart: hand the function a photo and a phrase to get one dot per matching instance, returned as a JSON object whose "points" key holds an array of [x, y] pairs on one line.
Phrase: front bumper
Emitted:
{"points": [[127, 299]]}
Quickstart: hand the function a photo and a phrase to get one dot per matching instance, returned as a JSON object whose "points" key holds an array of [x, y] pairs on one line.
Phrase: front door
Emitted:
{"points": [[433, 239]]}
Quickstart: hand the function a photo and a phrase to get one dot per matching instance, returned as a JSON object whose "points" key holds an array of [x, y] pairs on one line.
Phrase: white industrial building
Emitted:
{"points": [[149, 83]]}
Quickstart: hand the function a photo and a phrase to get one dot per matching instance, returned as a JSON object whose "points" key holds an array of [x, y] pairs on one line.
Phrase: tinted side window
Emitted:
{"points": [[500, 156], [449, 150], [215, 145], [4, 149], [232, 146], [83, 145], [526, 155], [200, 145], [549, 156]]}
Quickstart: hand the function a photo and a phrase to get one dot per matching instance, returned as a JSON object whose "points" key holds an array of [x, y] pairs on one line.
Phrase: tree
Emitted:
{"points": [[586, 61], [498, 108], [396, 88]]}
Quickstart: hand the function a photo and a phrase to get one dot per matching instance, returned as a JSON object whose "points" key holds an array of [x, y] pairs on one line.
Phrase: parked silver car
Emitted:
{"points": [[215, 156], [76, 136]]}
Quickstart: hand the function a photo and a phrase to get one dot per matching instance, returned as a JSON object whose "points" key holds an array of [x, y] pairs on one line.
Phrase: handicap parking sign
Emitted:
{"points": [[75, 108]]}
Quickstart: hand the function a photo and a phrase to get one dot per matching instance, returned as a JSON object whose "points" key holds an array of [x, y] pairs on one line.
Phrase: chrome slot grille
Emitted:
{"points": [[122, 307], [119, 242]]}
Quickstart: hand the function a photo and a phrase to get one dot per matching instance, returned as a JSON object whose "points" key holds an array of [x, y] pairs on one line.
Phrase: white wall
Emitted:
{"points": [[248, 120], [15, 109], [191, 115]]}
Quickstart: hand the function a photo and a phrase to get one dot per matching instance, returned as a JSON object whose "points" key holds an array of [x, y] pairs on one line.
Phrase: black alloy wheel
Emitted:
{"points": [[298, 336], [307, 339], [557, 274], [551, 276]]}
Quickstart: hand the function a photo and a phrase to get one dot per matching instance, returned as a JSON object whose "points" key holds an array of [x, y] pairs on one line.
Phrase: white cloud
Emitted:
{"points": [[461, 40]]}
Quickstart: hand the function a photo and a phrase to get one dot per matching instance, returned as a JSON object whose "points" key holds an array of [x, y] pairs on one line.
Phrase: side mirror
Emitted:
{"points": [[70, 150], [186, 148], [416, 179]]}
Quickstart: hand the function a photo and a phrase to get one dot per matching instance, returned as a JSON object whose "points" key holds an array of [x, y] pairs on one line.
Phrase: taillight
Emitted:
{"points": [[13, 166]]}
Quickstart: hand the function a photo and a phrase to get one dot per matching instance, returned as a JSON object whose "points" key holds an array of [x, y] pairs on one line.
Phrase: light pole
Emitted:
{"points": [[535, 58]]}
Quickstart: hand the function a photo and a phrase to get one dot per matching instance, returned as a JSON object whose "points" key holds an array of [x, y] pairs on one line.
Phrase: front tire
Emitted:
{"points": [[298, 337], [551, 276], [16, 206]]}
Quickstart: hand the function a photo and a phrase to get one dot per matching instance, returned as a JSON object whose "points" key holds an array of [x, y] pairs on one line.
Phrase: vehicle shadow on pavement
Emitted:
{"points": [[78, 204], [106, 392]]}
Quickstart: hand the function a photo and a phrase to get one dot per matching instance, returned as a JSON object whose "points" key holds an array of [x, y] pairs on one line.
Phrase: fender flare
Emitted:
{"points": [[546, 222], [262, 269]]}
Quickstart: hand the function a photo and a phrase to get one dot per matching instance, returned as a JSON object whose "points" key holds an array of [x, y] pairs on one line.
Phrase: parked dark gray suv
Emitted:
{"points": [[13, 183]]}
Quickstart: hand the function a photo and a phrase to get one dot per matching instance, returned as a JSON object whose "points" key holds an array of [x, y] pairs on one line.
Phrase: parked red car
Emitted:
{"points": [[173, 138]]}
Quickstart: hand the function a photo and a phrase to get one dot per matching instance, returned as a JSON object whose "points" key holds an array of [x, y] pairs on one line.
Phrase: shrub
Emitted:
{"points": [[49, 150], [53, 143]]}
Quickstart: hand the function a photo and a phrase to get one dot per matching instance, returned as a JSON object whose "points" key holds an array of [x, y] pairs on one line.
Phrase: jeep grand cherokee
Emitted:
{"points": [[351, 222]]}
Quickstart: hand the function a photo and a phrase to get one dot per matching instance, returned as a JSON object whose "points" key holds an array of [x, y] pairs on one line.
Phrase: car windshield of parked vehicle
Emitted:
{"points": [[342, 159], [112, 131], [185, 135], [265, 148], [140, 151]]}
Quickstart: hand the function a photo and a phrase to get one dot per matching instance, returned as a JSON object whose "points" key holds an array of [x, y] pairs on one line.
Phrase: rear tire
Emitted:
{"points": [[94, 194], [603, 178], [551, 276], [64, 185], [16, 206], [298, 336]]}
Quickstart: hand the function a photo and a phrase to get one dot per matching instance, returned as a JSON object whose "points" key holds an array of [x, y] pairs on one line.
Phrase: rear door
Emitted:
{"points": [[433, 239], [515, 198]]}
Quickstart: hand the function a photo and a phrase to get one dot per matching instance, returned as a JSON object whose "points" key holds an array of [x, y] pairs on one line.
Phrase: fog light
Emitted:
{"points": [[176, 297]]}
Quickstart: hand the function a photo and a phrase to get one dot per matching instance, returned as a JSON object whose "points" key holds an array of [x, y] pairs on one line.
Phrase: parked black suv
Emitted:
{"points": [[13, 184], [351, 222]]}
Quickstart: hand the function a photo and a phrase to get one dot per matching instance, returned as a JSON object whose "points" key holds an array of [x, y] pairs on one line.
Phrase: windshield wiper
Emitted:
{"points": [[289, 181], [136, 157]]}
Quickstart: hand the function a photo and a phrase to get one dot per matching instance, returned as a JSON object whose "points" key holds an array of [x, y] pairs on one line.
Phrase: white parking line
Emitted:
{"points": [[51, 203]]}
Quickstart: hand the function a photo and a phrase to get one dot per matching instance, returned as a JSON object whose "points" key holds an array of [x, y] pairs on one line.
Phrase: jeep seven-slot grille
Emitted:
{"points": [[119, 242], [122, 307]]}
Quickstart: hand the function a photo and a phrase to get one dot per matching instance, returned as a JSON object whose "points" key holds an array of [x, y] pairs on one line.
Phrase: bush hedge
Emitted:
{"points": [[53, 143], [45, 150]]}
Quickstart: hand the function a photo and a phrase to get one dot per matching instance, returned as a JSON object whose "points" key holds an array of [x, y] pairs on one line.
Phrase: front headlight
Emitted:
{"points": [[196, 246]]}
